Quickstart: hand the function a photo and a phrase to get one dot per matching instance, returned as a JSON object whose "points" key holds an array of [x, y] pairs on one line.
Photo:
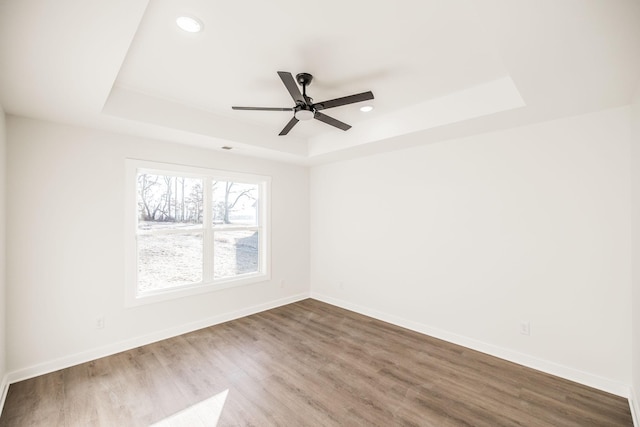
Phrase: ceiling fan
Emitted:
{"points": [[305, 108]]}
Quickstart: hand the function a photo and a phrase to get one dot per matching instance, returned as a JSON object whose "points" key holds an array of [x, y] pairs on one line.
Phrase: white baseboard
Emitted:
{"points": [[93, 354], [546, 366], [635, 408], [4, 384], [520, 358]]}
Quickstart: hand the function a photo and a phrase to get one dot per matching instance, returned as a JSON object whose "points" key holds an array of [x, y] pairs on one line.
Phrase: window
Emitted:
{"points": [[193, 230]]}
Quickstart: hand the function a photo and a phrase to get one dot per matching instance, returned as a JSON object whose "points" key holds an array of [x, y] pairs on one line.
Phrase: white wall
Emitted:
{"points": [[465, 239], [65, 245], [462, 239], [3, 165], [635, 215]]}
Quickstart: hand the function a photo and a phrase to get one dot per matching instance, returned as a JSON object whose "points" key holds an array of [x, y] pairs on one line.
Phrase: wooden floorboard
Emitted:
{"points": [[306, 364]]}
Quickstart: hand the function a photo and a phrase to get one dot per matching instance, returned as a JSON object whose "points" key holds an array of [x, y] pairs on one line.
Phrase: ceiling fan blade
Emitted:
{"points": [[291, 86], [263, 108], [345, 100], [289, 126], [331, 121]]}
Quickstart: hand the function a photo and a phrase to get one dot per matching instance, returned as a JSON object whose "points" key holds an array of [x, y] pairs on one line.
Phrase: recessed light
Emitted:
{"points": [[189, 24], [366, 108]]}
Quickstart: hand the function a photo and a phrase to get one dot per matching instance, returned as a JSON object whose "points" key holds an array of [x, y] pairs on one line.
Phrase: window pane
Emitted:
{"points": [[166, 201], [235, 203], [235, 252], [169, 260]]}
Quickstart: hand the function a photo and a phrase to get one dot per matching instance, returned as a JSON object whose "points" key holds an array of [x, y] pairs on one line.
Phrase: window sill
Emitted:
{"points": [[168, 294]]}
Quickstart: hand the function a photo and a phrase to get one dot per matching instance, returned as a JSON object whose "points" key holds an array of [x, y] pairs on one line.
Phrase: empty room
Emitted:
{"points": [[282, 213]]}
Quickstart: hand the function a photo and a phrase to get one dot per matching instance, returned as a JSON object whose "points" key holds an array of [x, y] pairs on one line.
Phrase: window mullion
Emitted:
{"points": [[168, 231], [207, 256]]}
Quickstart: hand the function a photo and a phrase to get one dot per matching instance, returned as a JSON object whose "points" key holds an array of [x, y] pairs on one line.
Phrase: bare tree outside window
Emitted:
{"points": [[172, 238], [169, 199], [236, 211], [169, 203]]}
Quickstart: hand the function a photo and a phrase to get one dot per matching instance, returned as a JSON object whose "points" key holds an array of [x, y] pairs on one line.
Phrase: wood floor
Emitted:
{"points": [[306, 364]]}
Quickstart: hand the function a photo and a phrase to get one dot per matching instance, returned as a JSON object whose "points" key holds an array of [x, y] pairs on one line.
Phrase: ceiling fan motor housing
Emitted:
{"points": [[304, 79]]}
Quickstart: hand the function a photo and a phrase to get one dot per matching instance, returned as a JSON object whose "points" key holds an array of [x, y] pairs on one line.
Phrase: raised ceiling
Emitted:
{"points": [[438, 69]]}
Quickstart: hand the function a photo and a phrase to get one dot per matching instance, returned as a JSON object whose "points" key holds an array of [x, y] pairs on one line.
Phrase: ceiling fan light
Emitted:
{"points": [[189, 24], [304, 115], [366, 108]]}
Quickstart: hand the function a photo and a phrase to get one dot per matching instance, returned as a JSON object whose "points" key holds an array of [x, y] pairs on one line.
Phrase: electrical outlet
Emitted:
{"points": [[525, 328], [282, 283], [100, 322], [340, 285]]}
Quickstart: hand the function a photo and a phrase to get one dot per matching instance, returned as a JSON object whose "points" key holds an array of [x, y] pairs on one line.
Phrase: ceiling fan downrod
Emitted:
{"points": [[304, 79]]}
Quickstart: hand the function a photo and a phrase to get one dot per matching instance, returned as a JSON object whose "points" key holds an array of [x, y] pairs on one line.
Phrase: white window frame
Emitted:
{"points": [[133, 296]]}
